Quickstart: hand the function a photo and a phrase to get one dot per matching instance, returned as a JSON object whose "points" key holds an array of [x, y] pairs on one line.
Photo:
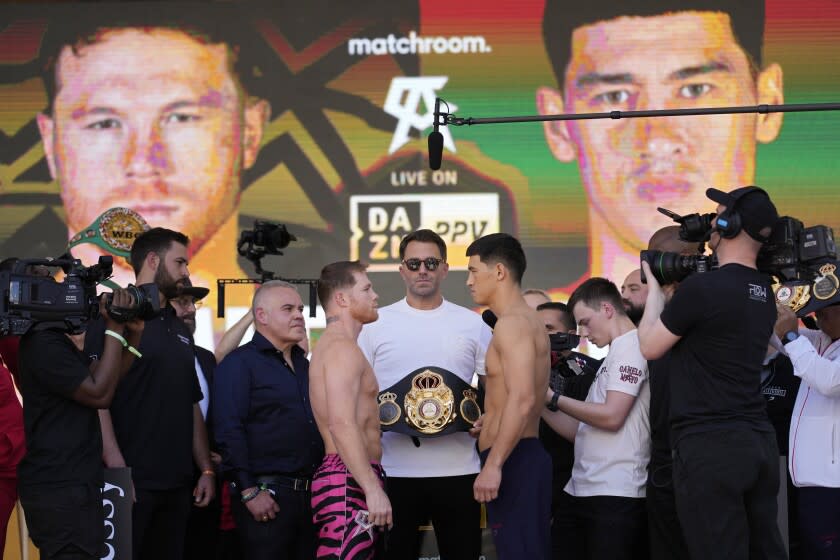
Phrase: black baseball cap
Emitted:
{"points": [[754, 206], [187, 289]]}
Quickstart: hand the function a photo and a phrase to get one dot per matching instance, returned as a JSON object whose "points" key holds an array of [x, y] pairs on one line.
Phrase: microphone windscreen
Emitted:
{"points": [[489, 318], [435, 150]]}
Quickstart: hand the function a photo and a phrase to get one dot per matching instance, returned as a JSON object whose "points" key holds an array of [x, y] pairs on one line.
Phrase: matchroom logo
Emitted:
{"points": [[416, 44]]}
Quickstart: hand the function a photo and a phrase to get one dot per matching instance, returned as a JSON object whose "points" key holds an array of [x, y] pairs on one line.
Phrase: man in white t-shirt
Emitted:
{"points": [[611, 431], [429, 478]]}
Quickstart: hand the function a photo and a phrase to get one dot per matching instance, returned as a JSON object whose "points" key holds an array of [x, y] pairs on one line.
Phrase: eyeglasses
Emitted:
{"points": [[414, 264], [187, 303]]}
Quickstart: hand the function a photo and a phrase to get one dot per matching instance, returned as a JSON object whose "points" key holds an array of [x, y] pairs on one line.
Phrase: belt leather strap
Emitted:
{"points": [[297, 484]]}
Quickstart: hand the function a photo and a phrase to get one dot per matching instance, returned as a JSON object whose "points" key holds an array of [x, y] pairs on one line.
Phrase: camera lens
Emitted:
{"points": [[669, 267]]}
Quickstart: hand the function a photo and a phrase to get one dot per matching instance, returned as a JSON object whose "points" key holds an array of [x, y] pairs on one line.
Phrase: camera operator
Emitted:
{"points": [[571, 375], [666, 538], [717, 326], [815, 427], [610, 431], [61, 475], [155, 424]]}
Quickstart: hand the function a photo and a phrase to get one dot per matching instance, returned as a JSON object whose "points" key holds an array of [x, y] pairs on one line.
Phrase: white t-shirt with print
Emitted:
{"points": [[615, 463], [404, 339]]}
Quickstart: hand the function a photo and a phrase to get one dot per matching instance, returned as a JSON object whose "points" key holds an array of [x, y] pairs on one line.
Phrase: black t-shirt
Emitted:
{"points": [[779, 386], [63, 441], [725, 318], [152, 410], [660, 422]]}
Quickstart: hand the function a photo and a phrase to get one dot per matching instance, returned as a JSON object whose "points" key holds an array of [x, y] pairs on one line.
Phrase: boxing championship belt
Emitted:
{"points": [[805, 297], [114, 232], [429, 402]]}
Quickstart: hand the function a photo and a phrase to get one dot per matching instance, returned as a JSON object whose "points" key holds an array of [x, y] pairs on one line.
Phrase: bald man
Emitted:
{"points": [[633, 295], [668, 239], [266, 432]]}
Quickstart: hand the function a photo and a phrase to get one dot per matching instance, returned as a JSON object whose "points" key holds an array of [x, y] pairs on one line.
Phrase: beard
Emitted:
{"points": [[189, 320], [634, 312], [425, 290], [364, 314], [166, 283]]}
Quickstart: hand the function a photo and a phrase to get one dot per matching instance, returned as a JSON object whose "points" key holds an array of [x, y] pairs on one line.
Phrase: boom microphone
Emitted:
{"points": [[436, 141]]}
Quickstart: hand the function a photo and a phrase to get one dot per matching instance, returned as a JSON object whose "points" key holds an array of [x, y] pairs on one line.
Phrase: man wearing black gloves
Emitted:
{"points": [[571, 375], [610, 430], [61, 475], [266, 432], [717, 326]]}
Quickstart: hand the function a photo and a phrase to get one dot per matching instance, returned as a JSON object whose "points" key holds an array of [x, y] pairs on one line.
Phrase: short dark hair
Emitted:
{"points": [[500, 248], [568, 317], [562, 17], [156, 240], [595, 291], [336, 276], [423, 236], [8, 264], [213, 24]]}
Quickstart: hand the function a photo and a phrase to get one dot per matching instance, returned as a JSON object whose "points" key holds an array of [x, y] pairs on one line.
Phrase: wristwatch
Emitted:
{"points": [[790, 336], [552, 404]]}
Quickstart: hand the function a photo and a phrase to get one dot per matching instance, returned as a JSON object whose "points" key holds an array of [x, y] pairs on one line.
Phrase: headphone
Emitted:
{"points": [[729, 221]]}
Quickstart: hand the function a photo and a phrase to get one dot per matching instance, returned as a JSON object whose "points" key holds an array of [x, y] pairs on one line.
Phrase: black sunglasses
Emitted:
{"points": [[414, 264]]}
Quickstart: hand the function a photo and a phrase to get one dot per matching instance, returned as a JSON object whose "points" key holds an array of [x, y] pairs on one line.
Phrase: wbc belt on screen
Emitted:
{"points": [[429, 402]]}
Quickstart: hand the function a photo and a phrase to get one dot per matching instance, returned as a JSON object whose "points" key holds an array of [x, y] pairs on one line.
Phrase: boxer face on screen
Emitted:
{"points": [[677, 61], [153, 120]]}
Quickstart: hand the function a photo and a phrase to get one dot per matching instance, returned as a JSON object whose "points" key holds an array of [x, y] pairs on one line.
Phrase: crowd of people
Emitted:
{"points": [[668, 448], [422, 411]]}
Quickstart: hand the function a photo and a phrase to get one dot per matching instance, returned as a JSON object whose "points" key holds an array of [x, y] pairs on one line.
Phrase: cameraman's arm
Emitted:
{"points": [[97, 390], [654, 337], [133, 334]]}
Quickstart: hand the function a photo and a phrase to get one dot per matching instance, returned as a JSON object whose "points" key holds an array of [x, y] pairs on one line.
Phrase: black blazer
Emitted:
{"points": [[207, 361]]}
